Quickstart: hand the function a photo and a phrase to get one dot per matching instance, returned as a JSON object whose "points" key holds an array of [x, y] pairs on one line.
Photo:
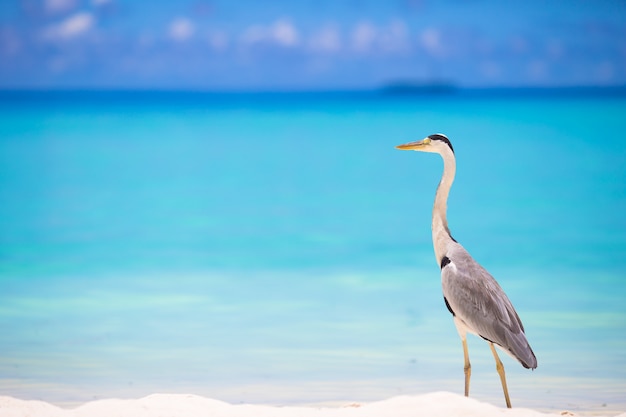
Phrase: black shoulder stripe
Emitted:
{"points": [[449, 308], [444, 261]]}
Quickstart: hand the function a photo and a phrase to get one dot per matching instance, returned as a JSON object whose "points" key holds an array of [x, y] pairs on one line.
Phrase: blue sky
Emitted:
{"points": [[308, 45]]}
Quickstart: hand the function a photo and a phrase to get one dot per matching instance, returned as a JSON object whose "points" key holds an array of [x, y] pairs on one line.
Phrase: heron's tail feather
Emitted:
{"points": [[518, 347]]}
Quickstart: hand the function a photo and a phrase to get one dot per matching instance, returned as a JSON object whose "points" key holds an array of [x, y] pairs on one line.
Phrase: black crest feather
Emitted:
{"points": [[443, 138]]}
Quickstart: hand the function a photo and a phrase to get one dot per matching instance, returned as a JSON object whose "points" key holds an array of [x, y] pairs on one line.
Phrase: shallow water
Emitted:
{"points": [[276, 248]]}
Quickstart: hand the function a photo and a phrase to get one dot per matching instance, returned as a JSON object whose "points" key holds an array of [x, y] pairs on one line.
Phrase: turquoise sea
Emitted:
{"points": [[276, 248]]}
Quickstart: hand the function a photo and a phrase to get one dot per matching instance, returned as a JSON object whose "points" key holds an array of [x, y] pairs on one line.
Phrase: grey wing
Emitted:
{"points": [[475, 298]]}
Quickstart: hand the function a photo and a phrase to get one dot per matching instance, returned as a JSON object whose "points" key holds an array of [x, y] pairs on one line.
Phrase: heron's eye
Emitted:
{"points": [[427, 141]]}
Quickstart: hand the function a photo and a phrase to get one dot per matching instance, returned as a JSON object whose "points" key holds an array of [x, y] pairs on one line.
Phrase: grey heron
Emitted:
{"points": [[477, 302]]}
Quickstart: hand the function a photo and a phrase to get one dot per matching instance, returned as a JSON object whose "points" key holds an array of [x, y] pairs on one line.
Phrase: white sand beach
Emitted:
{"points": [[435, 404]]}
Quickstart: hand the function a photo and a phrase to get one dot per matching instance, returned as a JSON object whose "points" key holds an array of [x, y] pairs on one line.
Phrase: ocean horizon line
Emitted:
{"points": [[390, 89]]}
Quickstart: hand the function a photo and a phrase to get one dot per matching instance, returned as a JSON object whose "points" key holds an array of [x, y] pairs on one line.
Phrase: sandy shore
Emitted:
{"points": [[436, 404]]}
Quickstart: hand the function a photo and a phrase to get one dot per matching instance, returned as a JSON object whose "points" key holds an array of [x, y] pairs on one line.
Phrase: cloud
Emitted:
{"points": [[218, 40], [604, 72], [327, 39], [519, 45], [430, 40], [391, 38], [555, 49], [491, 70], [537, 70], [363, 36], [395, 37], [10, 43], [70, 28], [181, 29], [282, 32], [59, 6], [285, 33], [254, 34]]}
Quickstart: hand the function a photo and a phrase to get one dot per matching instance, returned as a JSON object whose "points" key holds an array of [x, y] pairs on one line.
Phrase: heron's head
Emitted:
{"points": [[437, 143]]}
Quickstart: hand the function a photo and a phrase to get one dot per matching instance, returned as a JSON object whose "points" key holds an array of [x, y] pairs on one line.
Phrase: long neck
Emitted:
{"points": [[441, 233]]}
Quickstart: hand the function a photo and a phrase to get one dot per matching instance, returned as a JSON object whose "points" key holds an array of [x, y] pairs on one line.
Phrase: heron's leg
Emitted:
{"points": [[467, 368], [500, 369]]}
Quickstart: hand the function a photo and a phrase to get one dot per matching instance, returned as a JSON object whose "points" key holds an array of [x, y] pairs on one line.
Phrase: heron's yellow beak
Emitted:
{"points": [[414, 146]]}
